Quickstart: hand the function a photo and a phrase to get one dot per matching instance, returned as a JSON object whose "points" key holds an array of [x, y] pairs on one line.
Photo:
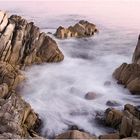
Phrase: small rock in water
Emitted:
{"points": [[100, 118], [49, 33], [90, 96], [75, 127], [112, 103], [107, 83]]}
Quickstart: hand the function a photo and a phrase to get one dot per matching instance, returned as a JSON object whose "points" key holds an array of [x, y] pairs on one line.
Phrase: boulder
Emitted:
{"points": [[128, 75], [80, 29], [90, 96], [75, 134], [127, 121]]}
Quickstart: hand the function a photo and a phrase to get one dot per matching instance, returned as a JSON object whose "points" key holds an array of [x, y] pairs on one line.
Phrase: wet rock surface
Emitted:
{"points": [[112, 103], [80, 29], [91, 96]]}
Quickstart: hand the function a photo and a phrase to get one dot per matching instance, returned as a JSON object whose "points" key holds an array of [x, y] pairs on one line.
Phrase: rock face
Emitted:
{"points": [[16, 118], [136, 55], [80, 29], [126, 121], [21, 44], [129, 74]]}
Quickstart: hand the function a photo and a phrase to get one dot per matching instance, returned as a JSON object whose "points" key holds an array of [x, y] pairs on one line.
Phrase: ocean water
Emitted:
{"points": [[57, 91]]}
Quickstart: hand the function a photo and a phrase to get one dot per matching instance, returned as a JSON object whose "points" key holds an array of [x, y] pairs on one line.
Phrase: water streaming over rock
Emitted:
{"points": [[57, 91]]}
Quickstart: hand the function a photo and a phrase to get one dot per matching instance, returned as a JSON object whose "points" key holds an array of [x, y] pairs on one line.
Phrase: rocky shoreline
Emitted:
{"points": [[21, 45]]}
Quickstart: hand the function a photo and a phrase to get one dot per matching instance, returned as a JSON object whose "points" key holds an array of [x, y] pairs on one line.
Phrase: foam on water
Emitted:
{"points": [[56, 91]]}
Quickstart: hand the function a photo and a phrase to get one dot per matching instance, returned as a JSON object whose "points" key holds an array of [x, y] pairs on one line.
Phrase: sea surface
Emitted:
{"points": [[57, 91]]}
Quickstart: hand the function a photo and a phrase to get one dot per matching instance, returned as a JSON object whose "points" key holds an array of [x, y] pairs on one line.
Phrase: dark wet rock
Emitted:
{"points": [[75, 127], [110, 136], [81, 29], [107, 83], [112, 103], [100, 118], [75, 134], [49, 33], [91, 95]]}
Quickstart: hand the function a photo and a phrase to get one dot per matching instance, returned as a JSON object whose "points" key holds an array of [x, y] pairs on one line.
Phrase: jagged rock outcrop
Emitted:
{"points": [[22, 43], [80, 29], [17, 119], [129, 74], [127, 122], [136, 55]]}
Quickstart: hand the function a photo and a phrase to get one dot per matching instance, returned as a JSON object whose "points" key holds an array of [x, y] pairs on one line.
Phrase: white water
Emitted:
{"points": [[56, 91]]}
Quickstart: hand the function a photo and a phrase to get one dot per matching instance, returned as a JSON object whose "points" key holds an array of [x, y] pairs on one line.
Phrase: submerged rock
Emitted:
{"points": [[81, 29], [112, 103], [90, 95], [107, 83]]}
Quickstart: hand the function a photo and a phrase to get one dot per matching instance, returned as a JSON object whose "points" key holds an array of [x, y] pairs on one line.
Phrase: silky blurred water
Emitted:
{"points": [[56, 91]]}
